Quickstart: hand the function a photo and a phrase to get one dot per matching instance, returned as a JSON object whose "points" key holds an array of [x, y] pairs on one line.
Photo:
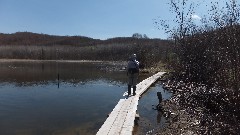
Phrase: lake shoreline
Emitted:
{"points": [[122, 64], [192, 111], [68, 61]]}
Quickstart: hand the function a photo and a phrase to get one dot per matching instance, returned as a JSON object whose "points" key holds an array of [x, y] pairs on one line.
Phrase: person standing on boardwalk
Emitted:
{"points": [[132, 73]]}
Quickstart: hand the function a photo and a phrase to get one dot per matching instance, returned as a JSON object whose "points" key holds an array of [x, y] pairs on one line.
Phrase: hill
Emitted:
{"points": [[28, 38], [27, 45]]}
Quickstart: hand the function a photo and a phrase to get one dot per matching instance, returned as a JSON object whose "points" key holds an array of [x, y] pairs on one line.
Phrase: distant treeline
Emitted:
{"points": [[26, 45], [28, 38]]}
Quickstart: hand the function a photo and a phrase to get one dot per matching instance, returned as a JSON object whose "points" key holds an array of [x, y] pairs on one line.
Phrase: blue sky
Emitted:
{"points": [[100, 19]]}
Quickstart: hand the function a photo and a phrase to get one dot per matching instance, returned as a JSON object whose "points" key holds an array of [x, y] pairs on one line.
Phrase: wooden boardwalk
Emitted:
{"points": [[121, 119]]}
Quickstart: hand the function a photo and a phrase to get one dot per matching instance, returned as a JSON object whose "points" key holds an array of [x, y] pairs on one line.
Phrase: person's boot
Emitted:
{"points": [[134, 90], [129, 90]]}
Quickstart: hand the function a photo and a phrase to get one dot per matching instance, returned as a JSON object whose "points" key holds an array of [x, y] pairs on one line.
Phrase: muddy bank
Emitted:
{"points": [[195, 108]]}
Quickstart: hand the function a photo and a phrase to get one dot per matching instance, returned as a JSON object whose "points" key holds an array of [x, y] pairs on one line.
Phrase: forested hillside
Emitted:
{"points": [[26, 45], [28, 38]]}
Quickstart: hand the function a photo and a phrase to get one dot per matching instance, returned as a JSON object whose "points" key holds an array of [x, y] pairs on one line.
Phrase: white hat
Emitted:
{"points": [[134, 56]]}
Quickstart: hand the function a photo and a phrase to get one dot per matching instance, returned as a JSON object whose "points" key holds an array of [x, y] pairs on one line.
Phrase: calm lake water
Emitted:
{"points": [[151, 121], [33, 101]]}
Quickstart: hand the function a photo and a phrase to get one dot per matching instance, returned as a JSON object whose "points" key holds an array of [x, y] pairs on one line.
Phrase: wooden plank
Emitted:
{"points": [[131, 115], [126, 131], [121, 119], [117, 124], [112, 117]]}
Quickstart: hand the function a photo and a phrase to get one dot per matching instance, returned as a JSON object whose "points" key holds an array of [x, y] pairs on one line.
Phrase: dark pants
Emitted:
{"points": [[132, 82], [134, 90]]}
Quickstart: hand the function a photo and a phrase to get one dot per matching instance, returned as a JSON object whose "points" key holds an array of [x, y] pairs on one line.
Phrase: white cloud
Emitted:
{"points": [[196, 17]]}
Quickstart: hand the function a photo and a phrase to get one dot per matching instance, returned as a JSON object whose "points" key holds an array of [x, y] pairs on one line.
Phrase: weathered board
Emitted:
{"points": [[121, 119]]}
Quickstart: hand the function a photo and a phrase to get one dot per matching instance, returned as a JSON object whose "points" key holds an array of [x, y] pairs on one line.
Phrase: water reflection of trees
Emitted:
{"points": [[32, 73]]}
